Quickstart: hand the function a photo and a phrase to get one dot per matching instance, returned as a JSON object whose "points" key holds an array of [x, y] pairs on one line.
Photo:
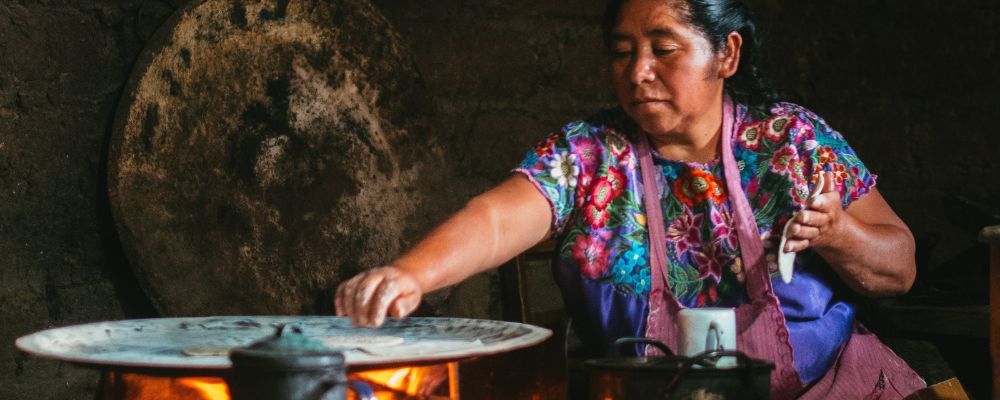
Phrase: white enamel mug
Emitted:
{"points": [[704, 329]]}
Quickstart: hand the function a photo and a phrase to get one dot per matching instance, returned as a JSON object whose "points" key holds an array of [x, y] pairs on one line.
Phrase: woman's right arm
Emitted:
{"points": [[490, 230]]}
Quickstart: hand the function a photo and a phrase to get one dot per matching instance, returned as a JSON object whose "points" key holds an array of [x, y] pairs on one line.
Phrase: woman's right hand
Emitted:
{"points": [[368, 297]]}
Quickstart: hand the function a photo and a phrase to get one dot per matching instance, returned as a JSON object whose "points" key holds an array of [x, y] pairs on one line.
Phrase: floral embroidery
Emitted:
{"points": [[778, 124], [722, 221], [696, 186], [750, 136], [783, 159], [840, 174], [584, 180], [591, 255], [684, 232], [708, 262], [587, 151], [617, 181], [704, 297], [627, 269], [826, 155], [669, 171], [596, 216], [589, 173], [775, 131], [563, 168], [602, 194], [545, 148]]}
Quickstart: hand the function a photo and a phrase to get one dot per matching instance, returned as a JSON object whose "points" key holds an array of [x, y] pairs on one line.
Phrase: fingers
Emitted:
{"points": [[360, 295], [382, 298], [338, 302], [826, 195], [404, 306], [830, 186], [810, 219], [802, 232], [344, 300], [792, 246], [820, 213], [368, 297], [351, 295]]}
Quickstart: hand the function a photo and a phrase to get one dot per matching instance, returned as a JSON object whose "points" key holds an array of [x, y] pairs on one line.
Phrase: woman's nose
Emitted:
{"points": [[641, 70]]}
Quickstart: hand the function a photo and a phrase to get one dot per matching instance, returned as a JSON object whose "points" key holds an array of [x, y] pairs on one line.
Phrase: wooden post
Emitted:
{"points": [[991, 235], [995, 316]]}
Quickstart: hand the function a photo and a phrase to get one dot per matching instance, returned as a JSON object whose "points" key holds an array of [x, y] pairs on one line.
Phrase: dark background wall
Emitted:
{"points": [[910, 83]]}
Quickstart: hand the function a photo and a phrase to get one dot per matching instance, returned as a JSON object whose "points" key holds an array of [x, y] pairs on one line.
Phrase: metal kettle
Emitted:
{"points": [[291, 366], [676, 377]]}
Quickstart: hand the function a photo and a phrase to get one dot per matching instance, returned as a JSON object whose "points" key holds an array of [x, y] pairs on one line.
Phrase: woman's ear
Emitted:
{"points": [[729, 59]]}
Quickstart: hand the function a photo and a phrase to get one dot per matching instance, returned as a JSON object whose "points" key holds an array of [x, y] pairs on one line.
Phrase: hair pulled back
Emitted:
{"points": [[716, 19]]}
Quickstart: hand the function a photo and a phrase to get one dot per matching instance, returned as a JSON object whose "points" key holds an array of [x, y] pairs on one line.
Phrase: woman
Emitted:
{"points": [[698, 135]]}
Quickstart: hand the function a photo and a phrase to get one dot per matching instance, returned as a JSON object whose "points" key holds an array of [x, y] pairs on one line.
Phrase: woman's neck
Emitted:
{"points": [[699, 142]]}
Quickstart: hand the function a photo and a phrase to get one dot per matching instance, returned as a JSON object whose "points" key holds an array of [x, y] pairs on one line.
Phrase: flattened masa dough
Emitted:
{"points": [[359, 341], [333, 342], [208, 351]]}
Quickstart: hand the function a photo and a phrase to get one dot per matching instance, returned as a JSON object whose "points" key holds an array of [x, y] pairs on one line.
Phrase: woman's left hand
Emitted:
{"points": [[867, 245], [818, 223]]}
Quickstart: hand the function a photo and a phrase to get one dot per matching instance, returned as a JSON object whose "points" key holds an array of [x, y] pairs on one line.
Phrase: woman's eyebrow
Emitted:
{"points": [[660, 32]]}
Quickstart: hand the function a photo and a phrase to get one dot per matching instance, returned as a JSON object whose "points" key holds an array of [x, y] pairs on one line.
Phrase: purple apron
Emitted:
{"points": [[864, 369]]}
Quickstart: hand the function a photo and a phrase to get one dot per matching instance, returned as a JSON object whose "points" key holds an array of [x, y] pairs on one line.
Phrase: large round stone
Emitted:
{"points": [[265, 150]]}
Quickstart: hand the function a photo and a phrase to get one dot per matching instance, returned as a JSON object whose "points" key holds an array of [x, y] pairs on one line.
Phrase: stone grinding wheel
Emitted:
{"points": [[266, 150]]}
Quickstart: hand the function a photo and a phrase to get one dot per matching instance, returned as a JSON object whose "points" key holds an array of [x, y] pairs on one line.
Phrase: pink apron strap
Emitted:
{"points": [[751, 248], [663, 305], [761, 324], [654, 217]]}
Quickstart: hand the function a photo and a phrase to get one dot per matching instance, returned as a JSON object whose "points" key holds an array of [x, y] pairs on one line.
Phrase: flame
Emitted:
{"points": [[408, 381], [133, 386], [208, 388], [389, 384]]}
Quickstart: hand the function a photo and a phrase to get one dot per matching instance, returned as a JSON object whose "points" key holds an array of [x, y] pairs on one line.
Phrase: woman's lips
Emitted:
{"points": [[648, 104]]}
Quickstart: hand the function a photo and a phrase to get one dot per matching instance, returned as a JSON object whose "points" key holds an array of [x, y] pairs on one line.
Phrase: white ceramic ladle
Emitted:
{"points": [[786, 261]]}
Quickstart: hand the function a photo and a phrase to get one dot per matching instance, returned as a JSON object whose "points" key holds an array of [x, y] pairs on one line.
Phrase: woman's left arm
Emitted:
{"points": [[869, 247]]}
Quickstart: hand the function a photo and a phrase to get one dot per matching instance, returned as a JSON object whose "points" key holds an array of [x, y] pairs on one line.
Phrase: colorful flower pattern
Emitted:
{"points": [[589, 173]]}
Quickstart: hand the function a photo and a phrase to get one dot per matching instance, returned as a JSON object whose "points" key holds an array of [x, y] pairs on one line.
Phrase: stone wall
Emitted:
{"points": [[910, 83], [62, 67]]}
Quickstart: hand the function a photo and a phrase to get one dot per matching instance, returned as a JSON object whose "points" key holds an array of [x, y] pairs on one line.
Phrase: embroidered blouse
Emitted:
{"points": [[589, 173]]}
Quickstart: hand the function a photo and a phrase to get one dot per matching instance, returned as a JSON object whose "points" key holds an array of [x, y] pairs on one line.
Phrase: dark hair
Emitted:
{"points": [[716, 19]]}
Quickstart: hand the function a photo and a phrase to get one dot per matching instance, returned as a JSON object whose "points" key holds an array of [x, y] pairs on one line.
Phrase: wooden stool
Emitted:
{"points": [[948, 390]]}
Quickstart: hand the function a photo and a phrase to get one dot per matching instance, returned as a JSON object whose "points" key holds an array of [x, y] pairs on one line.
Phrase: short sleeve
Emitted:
{"points": [[555, 167], [823, 149]]}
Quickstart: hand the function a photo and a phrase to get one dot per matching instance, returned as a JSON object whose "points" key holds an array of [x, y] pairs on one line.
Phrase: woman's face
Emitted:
{"points": [[664, 71]]}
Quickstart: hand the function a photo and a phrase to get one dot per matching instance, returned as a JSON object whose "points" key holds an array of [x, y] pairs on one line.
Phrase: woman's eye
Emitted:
{"points": [[663, 51]]}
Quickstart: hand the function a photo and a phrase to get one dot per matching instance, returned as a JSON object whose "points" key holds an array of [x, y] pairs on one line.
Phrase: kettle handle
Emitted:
{"points": [[628, 341], [708, 359]]}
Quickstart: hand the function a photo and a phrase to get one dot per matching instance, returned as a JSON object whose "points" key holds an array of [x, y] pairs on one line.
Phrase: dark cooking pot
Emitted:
{"points": [[676, 377], [291, 366]]}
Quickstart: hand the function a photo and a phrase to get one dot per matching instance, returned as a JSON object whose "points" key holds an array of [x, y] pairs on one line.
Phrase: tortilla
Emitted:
{"points": [[359, 341], [207, 351]]}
